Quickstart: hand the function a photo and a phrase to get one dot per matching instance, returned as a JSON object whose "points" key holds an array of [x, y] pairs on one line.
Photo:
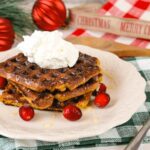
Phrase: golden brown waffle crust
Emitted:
{"points": [[19, 70], [90, 86], [18, 100], [49, 89]]}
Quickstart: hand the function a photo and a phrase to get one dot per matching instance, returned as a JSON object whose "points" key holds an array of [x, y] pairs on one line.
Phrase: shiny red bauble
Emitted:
{"points": [[72, 113], [49, 14], [26, 112], [7, 34]]}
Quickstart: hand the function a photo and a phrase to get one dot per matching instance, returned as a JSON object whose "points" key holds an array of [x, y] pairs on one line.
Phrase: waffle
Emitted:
{"points": [[49, 89], [90, 86], [11, 97], [44, 99], [19, 70]]}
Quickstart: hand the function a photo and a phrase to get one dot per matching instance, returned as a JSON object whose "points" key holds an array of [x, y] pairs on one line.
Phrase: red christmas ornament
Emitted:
{"points": [[7, 34], [49, 14]]}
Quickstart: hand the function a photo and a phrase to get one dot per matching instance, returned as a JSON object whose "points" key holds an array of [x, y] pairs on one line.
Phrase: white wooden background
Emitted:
{"points": [[27, 4], [81, 1]]}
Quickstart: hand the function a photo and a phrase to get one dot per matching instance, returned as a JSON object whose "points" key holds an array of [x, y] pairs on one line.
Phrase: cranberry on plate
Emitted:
{"points": [[3, 83], [102, 100], [102, 88], [72, 113], [26, 112]]}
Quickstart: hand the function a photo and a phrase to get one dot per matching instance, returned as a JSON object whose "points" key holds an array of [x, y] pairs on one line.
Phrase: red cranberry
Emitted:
{"points": [[3, 83], [102, 88], [102, 100], [26, 113], [72, 113]]}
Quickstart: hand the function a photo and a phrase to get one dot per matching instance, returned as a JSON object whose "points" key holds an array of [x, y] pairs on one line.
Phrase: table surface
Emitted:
{"points": [[6, 142], [146, 146], [32, 143]]}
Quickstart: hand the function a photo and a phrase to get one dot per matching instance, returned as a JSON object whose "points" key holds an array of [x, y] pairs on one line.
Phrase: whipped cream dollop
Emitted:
{"points": [[49, 50]]}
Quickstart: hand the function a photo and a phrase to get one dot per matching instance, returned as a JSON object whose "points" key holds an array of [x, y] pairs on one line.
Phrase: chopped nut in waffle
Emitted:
{"points": [[19, 70]]}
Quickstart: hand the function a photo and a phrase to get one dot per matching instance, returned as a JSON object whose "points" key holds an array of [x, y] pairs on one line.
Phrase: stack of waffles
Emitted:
{"points": [[49, 89]]}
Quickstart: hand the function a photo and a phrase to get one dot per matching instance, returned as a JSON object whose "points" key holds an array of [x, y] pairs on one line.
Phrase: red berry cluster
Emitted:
{"points": [[70, 112], [102, 99], [73, 113]]}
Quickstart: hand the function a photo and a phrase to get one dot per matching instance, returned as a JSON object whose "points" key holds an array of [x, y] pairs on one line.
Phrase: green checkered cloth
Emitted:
{"points": [[119, 135]]}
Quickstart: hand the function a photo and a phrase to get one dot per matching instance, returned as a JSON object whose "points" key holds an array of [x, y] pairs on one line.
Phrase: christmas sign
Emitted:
{"points": [[88, 18]]}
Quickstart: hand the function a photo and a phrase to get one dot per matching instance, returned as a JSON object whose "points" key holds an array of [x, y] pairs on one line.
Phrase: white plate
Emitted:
{"points": [[125, 86]]}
